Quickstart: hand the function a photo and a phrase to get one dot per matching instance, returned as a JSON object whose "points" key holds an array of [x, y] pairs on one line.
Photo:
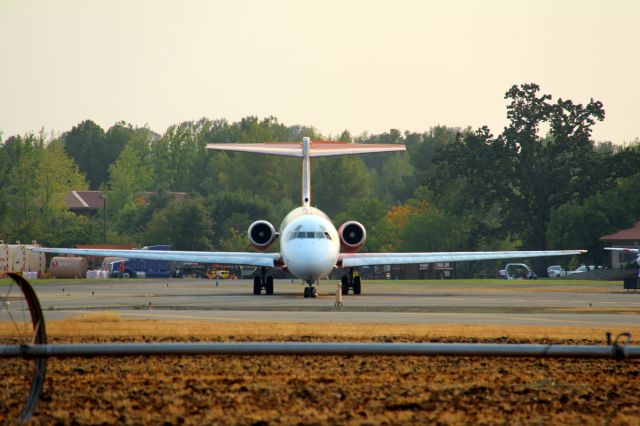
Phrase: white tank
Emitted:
{"points": [[17, 258], [68, 267], [35, 261], [4, 259]]}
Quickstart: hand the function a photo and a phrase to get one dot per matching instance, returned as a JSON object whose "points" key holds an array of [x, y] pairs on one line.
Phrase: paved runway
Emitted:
{"points": [[535, 303]]}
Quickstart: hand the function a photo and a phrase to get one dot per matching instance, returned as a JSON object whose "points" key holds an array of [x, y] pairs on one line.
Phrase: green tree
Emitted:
{"points": [[37, 179], [224, 207], [236, 241], [431, 230], [581, 224], [523, 173], [130, 175], [422, 149], [114, 142], [339, 182], [85, 143], [55, 175], [186, 225], [397, 181]]}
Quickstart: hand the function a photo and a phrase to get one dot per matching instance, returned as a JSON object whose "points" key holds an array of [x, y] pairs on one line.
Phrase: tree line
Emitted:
{"points": [[541, 183]]}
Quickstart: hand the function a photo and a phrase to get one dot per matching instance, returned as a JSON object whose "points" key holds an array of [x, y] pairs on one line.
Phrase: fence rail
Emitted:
{"points": [[615, 350]]}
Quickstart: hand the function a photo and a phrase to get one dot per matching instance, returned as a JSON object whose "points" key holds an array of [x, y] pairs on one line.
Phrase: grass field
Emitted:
{"points": [[313, 390]]}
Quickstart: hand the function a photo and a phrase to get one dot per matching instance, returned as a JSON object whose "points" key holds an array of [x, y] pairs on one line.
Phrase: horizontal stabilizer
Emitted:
{"points": [[316, 148]]}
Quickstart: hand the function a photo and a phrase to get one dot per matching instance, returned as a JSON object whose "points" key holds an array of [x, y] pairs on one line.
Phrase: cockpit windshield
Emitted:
{"points": [[309, 235]]}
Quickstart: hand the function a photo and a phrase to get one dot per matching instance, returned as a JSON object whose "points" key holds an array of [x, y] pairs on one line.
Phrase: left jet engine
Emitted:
{"points": [[262, 234]]}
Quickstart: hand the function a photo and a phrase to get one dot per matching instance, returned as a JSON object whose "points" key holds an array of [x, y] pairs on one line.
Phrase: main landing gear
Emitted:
{"points": [[351, 281], [263, 281]]}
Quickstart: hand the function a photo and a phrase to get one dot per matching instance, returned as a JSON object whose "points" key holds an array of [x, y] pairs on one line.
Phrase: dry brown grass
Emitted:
{"points": [[94, 318], [110, 325]]}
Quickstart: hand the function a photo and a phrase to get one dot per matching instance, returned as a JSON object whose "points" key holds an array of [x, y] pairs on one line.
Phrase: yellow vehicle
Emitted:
{"points": [[220, 274]]}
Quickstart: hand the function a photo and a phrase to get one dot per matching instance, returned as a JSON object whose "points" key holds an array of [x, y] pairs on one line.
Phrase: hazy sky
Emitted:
{"points": [[335, 65]]}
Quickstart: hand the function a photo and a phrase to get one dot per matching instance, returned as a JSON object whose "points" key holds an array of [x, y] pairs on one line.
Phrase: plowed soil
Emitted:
{"points": [[231, 390]]}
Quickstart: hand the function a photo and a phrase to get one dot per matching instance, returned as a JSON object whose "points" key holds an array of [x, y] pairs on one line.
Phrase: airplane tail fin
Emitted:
{"points": [[306, 150]]}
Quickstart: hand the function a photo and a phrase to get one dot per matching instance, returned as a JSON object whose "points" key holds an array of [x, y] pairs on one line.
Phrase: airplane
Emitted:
{"points": [[310, 245], [627, 250]]}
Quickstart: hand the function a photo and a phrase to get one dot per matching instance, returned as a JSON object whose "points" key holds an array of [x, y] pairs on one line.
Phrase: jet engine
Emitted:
{"points": [[352, 236], [262, 234]]}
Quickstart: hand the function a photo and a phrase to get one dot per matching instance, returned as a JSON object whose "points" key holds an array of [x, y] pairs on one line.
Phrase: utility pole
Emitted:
{"points": [[104, 218]]}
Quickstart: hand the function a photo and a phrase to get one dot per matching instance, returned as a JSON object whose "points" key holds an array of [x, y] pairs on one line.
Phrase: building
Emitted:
{"points": [[627, 238]]}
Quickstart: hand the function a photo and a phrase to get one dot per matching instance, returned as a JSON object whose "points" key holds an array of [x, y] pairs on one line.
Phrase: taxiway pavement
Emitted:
{"points": [[534, 303]]}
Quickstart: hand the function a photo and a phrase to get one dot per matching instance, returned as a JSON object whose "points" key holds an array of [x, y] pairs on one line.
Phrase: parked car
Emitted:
{"points": [[581, 269], [555, 271]]}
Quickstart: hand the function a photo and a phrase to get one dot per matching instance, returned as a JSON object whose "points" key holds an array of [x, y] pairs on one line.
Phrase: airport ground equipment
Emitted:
{"points": [[28, 347], [518, 271], [631, 283]]}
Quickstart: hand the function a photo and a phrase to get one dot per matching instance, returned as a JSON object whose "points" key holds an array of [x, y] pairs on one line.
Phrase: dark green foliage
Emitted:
{"points": [[454, 189], [581, 224], [186, 225], [225, 207], [519, 172], [85, 144], [34, 177], [432, 230]]}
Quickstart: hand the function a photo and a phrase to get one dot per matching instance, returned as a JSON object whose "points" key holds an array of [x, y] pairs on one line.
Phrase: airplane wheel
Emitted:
{"points": [[306, 292], [345, 284], [357, 287], [257, 285], [269, 285], [313, 292]]}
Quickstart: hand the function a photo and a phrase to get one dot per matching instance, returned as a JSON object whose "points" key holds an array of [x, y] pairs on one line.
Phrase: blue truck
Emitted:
{"points": [[138, 268]]}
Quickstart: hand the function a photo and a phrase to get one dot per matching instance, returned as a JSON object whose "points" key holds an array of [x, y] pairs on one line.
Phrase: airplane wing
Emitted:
{"points": [[628, 250], [268, 260], [369, 259]]}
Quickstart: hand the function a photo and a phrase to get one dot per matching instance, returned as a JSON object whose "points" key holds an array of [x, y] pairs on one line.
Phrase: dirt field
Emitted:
{"points": [[329, 389]]}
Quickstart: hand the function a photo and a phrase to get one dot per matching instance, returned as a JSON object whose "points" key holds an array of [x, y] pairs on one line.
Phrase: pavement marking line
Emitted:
{"points": [[415, 298], [546, 300]]}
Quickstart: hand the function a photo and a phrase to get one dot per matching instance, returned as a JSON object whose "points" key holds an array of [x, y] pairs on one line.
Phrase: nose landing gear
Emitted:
{"points": [[310, 292]]}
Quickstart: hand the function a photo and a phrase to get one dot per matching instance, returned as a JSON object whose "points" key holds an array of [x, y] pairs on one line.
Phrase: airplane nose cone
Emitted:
{"points": [[312, 263]]}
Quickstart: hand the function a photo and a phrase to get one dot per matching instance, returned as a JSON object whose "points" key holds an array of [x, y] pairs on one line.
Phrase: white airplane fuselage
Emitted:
{"points": [[309, 244]]}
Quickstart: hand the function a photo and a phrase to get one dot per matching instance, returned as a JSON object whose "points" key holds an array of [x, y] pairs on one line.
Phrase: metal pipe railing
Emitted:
{"points": [[615, 350]]}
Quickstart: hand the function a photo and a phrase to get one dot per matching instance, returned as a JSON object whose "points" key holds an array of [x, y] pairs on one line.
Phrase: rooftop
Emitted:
{"points": [[630, 234], [91, 201]]}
